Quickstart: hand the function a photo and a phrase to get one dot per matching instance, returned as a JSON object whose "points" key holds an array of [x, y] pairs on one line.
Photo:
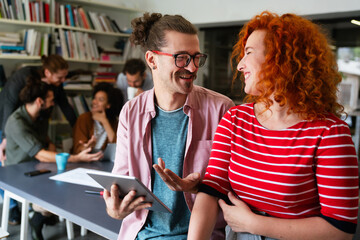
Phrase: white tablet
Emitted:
{"points": [[126, 184]]}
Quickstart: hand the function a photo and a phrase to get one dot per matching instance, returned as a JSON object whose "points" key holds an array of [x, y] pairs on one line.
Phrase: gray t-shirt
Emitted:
{"points": [[169, 133], [25, 137]]}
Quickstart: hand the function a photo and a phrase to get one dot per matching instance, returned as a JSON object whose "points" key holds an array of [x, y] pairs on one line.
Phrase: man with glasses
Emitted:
{"points": [[165, 134]]}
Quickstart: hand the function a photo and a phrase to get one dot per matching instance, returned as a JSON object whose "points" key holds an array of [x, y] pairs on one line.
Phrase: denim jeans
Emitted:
{"points": [[231, 235]]}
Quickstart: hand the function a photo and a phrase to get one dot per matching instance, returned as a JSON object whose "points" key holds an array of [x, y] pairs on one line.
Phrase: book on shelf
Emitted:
{"points": [[62, 15], [10, 37], [35, 43], [63, 44], [111, 54], [78, 45], [56, 13], [69, 16], [35, 11], [109, 77], [84, 18], [77, 16], [80, 104]]}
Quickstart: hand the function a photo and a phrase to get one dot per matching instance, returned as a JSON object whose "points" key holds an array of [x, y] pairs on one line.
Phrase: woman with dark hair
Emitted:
{"points": [[98, 127], [283, 165]]}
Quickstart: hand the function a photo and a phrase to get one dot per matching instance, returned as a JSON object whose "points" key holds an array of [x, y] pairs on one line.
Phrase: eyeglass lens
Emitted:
{"points": [[182, 60]]}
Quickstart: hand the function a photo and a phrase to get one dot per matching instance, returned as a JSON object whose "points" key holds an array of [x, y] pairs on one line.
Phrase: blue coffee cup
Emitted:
{"points": [[61, 160]]}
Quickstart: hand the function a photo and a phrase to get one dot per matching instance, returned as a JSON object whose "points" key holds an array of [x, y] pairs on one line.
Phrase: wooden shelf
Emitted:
{"points": [[19, 57], [92, 31], [26, 23], [102, 5]]}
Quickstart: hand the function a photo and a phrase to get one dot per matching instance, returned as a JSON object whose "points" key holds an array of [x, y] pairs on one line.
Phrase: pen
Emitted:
{"points": [[94, 192]]}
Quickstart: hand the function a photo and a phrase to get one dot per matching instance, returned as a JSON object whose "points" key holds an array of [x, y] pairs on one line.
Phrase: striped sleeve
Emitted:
{"points": [[337, 177], [216, 175]]}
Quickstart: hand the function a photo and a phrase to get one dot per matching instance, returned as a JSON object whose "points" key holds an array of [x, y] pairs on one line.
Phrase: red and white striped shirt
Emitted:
{"points": [[305, 170]]}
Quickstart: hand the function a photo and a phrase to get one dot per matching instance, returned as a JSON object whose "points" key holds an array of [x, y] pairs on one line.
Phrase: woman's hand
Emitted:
{"points": [[99, 116], [239, 216]]}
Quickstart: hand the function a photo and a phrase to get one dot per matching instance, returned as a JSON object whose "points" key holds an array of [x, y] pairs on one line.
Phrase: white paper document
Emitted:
{"points": [[77, 176]]}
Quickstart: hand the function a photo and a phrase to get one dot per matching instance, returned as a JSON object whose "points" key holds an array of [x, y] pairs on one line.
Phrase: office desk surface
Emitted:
{"points": [[64, 199]]}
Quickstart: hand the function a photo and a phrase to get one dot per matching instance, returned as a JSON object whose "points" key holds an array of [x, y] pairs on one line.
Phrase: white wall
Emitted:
{"points": [[213, 12]]}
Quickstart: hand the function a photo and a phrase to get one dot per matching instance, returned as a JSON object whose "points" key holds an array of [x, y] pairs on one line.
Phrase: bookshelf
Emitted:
{"points": [[16, 22]]}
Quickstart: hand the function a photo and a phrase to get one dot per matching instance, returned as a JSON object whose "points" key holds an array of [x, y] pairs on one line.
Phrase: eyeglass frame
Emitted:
{"points": [[177, 54]]}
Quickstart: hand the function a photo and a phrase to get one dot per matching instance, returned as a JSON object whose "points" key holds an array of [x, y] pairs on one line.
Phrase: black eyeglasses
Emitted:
{"points": [[183, 59]]}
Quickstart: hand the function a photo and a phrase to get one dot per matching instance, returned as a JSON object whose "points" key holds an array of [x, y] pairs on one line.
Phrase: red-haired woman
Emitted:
{"points": [[283, 165]]}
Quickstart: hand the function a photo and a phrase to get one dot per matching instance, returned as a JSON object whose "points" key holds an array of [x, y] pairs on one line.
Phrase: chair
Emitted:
{"points": [[25, 215]]}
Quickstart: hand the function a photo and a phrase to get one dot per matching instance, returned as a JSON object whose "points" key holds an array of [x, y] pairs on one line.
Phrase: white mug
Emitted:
{"points": [[131, 91]]}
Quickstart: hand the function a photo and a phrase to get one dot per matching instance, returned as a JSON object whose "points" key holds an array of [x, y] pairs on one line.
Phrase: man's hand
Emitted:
{"points": [[2, 152], [119, 208], [86, 156], [90, 144], [174, 182]]}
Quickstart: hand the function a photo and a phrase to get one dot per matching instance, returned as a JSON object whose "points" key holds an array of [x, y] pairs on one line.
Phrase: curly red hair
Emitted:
{"points": [[300, 69]]}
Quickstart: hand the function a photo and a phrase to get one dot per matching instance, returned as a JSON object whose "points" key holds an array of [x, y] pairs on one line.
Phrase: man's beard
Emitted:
{"points": [[45, 113]]}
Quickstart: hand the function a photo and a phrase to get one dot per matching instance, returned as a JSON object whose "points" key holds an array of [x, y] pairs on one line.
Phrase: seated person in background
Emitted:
{"points": [[97, 128], [26, 129], [27, 140], [284, 162], [134, 79]]}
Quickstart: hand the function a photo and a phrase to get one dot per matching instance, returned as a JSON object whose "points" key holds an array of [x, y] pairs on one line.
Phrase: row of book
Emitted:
{"points": [[25, 10], [34, 43], [76, 16], [64, 14], [77, 45]]}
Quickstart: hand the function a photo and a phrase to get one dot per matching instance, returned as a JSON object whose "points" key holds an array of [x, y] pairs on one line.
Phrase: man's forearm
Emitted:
{"points": [[45, 156]]}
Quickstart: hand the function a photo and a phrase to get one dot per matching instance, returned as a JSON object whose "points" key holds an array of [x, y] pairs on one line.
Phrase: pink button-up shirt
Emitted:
{"points": [[133, 157]]}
